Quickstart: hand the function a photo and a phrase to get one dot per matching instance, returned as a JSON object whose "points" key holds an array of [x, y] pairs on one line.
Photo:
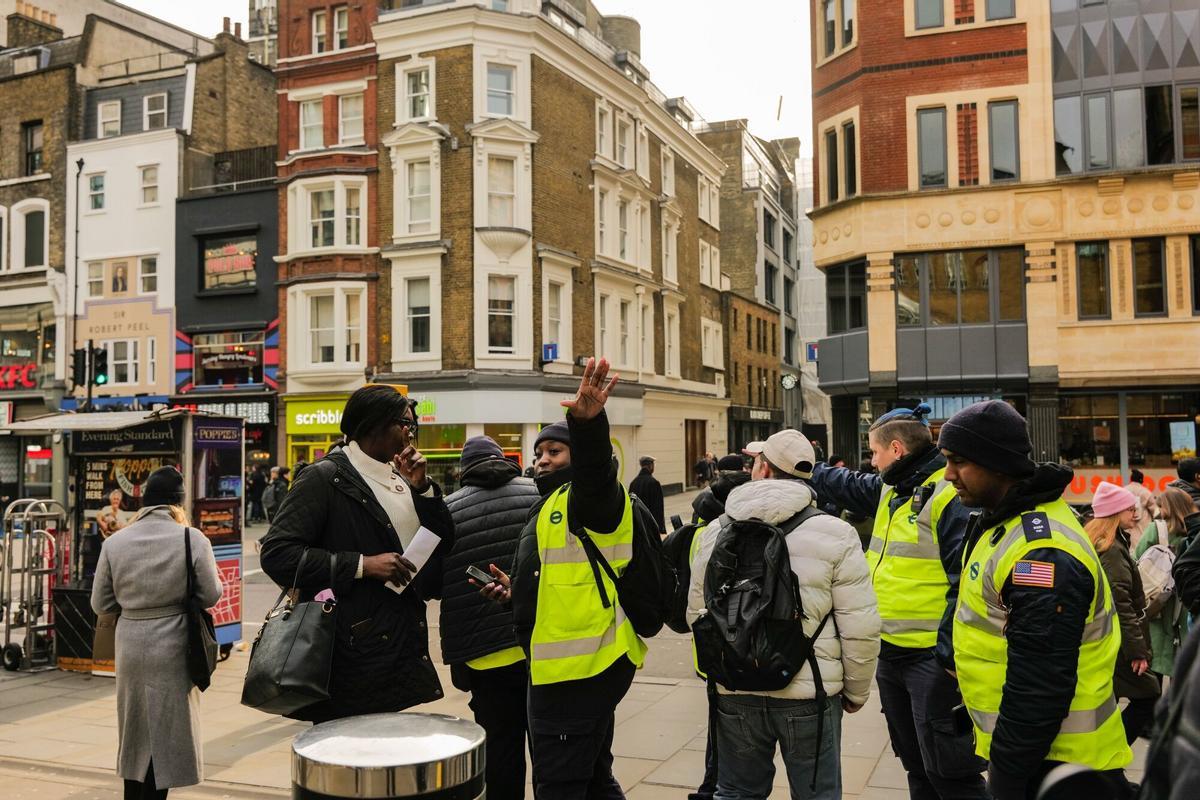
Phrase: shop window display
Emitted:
{"points": [[1089, 431]]}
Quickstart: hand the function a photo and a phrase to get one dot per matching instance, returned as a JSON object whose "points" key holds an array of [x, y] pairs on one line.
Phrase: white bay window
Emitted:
{"points": [[329, 328], [326, 214]]}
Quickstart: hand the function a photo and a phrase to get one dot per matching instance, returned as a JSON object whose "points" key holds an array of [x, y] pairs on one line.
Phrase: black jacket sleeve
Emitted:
{"points": [[952, 537], [434, 515], [858, 492], [655, 503], [596, 494], [1187, 577], [1044, 632], [300, 524]]}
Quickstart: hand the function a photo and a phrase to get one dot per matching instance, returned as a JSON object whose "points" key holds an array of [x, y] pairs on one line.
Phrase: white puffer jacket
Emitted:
{"points": [[827, 557]]}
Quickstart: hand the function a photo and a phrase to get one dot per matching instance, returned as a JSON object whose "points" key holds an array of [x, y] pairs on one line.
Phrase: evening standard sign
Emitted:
{"points": [[153, 437]]}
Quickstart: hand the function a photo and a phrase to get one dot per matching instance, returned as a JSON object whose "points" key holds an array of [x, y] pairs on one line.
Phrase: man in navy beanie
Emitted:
{"points": [[1035, 634]]}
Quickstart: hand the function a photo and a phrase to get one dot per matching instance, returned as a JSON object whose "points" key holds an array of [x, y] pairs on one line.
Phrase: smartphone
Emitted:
{"points": [[479, 575]]}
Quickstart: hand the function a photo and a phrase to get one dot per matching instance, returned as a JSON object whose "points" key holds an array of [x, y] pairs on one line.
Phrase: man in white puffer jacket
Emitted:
{"points": [[827, 558]]}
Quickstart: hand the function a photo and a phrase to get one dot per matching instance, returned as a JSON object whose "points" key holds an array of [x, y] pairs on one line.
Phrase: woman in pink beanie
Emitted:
{"points": [[1114, 512]]}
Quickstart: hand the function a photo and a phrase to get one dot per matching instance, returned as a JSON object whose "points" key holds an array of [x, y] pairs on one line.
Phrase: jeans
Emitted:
{"points": [[498, 703], [918, 699], [748, 730], [708, 786]]}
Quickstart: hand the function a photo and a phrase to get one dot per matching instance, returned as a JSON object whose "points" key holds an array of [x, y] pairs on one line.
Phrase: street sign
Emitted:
{"points": [[811, 352], [550, 352]]}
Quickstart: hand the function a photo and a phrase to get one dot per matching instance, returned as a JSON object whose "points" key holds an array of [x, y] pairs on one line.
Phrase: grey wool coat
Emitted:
{"points": [[141, 575]]}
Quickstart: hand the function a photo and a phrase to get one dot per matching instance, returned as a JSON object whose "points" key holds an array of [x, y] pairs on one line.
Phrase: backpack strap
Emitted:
{"points": [[595, 558], [807, 513], [822, 698]]}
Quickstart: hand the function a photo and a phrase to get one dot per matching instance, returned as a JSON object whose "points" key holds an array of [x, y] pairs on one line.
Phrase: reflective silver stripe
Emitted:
{"points": [[925, 517], [923, 550], [898, 626], [876, 545], [1082, 721], [993, 623], [568, 648], [573, 553]]}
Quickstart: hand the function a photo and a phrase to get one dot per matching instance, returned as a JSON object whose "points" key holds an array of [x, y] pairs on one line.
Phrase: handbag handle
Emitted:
{"points": [[296, 580]]}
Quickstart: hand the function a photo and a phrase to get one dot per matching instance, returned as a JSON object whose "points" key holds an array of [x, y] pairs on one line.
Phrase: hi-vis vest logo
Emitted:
{"points": [[975, 570], [1036, 525], [556, 517]]}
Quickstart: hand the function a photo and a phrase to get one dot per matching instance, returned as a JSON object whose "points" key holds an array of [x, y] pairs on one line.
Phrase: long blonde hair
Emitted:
{"points": [[1103, 531], [177, 514], [1173, 506]]}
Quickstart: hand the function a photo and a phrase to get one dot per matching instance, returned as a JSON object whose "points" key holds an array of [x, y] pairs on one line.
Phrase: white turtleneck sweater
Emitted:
{"points": [[392, 492]]}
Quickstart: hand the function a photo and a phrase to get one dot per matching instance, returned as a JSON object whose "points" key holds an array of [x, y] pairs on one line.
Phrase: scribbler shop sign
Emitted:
{"points": [[18, 376], [315, 416]]}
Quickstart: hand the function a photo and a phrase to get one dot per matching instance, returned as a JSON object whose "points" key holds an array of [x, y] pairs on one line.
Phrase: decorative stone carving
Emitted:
{"points": [[968, 217], [991, 216], [923, 220], [1112, 206], [1087, 208], [1135, 205], [1161, 203], [944, 219]]}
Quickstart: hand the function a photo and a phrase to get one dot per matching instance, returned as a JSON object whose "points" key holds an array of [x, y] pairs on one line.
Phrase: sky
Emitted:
{"points": [[729, 63]]}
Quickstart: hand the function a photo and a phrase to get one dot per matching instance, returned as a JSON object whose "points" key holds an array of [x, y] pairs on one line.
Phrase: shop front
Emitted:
{"points": [[1103, 435], [312, 426], [748, 424], [28, 340]]}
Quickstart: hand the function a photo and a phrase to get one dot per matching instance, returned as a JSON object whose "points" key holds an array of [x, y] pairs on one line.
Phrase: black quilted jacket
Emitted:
{"points": [[381, 654], [489, 513]]}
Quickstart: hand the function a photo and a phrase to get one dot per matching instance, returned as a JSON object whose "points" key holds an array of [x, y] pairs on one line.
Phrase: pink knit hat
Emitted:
{"points": [[1111, 500]]}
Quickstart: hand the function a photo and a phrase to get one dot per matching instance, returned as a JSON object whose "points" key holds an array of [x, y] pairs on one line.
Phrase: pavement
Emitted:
{"points": [[58, 734]]}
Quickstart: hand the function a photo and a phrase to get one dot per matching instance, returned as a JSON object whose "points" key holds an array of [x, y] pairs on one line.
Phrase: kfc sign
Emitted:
{"points": [[18, 376]]}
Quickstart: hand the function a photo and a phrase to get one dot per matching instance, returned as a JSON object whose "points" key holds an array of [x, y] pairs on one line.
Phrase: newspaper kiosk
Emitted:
{"points": [[111, 456]]}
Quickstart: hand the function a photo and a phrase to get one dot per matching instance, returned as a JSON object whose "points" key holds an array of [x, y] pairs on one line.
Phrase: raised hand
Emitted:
{"points": [[594, 388], [412, 467]]}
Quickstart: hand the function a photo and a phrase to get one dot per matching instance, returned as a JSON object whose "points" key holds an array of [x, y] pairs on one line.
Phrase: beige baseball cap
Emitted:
{"points": [[789, 450]]}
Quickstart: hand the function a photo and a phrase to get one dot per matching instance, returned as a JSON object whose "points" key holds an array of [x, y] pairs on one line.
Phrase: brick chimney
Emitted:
{"points": [[26, 31], [237, 30], [225, 25]]}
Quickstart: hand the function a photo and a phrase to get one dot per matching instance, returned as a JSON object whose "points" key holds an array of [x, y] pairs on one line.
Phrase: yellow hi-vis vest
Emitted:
{"points": [[1092, 733], [574, 635], [700, 526], [906, 564]]}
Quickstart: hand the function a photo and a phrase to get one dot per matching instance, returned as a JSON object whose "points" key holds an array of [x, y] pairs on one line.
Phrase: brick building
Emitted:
{"points": [[328, 263], [540, 200], [752, 356], [970, 254]]}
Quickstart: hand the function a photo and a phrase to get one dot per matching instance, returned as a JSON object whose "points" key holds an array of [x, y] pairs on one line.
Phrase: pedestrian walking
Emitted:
{"points": [[803, 719], [277, 489], [1172, 764], [478, 640], [915, 557], [141, 575], [254, 491], [1187, 566], [1147, 506], [1113, 509], [649, 491], [349, 520], [1168, 628], [1035, 641], [582, 652], [1188, 470], [704, 470]]}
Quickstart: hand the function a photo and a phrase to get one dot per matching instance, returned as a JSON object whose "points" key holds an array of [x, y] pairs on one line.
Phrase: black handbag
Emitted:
{"points": [[291, 659], [202, 636]]}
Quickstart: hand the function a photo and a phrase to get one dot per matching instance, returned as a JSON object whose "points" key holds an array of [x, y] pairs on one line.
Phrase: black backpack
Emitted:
{"points": [[678, 549], [648, 585], [751, 638]]}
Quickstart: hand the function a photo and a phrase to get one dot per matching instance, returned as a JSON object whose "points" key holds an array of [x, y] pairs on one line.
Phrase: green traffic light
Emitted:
{"points": [[101, 380]]}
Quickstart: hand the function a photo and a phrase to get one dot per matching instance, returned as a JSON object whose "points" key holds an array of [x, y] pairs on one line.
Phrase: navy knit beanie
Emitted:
{"points": [[991, 434], [556, 432], [480, 448]]}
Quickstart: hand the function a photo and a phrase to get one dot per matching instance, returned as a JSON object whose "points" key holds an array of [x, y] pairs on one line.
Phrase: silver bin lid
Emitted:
{"points": [[388, 755]]}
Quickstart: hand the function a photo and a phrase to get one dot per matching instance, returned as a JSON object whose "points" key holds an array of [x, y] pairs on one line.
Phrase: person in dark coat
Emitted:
{"points": [[254, 492], [1114, 507], [277, 489], [710, 503], [350, 518], [1173, 762], [1188, 470], [1187, 567], [478, 640], [649, 490]]}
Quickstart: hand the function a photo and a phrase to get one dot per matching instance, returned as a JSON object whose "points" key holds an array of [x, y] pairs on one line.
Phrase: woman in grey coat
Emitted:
{"points": [[142, 575]]}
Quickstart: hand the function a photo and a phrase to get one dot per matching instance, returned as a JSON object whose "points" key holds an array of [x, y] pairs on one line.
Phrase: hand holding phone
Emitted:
{"points": [[479, 575]]}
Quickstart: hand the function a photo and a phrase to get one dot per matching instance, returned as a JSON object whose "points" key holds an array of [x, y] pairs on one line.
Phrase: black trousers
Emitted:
{"points": [[918, 699], [144, 790], [708, 786], [1138, 717], [572, 726], [499, 704]]}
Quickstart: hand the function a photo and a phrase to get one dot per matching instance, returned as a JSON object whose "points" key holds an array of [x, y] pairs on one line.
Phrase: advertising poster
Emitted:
{"points": [[227, 613], [1183, 440], [113, 487]]}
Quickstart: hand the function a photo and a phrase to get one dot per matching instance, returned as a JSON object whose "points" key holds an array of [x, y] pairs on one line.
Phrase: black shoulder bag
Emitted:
{"points": [[202, 636], [292, 656]]}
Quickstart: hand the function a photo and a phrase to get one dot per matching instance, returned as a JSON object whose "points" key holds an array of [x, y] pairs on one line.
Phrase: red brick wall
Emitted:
{"points": [[968, 144], [886, 67]]}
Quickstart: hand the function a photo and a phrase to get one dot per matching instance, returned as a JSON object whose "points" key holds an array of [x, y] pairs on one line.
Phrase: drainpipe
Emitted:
{"points": [[75, 269]]}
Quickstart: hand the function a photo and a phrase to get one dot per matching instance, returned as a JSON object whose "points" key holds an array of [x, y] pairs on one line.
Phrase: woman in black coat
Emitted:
{"points": [[354, 512]]}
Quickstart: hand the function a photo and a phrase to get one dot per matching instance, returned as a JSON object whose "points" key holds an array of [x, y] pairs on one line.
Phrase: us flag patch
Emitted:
{"points": [[1033, 573]]}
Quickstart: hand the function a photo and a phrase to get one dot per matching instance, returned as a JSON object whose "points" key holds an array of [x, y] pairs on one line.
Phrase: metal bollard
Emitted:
{"points": [[386, 756]]}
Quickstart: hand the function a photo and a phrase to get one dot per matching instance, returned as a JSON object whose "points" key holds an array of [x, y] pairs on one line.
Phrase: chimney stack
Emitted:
{"points": [[226, 25], [237, 30]]}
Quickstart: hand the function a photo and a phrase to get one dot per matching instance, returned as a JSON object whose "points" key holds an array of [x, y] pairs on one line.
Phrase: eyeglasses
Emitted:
{"points": [[411, 425]]}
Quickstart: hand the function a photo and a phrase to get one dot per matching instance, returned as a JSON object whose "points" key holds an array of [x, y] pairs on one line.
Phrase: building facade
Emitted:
{"points": [[987, 259], [755, 387], [263, 33], [226, 349], [150, 129], [328, 266], [541, 201], [814, 408]]}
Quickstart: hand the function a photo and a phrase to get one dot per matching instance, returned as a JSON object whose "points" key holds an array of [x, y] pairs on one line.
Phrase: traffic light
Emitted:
{"points": [[79, 367], [99, 366]]}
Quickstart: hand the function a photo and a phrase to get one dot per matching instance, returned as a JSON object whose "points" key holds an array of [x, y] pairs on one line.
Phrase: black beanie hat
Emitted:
{"points": [[480, 448], [164, 487], [731, 463], [556, 432], [991, 434]]}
